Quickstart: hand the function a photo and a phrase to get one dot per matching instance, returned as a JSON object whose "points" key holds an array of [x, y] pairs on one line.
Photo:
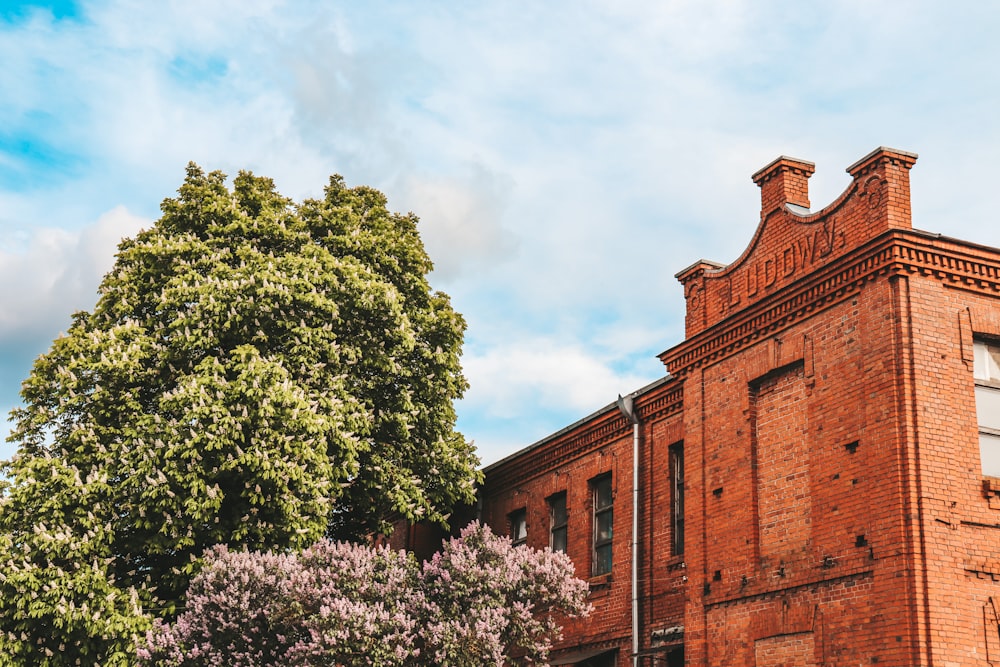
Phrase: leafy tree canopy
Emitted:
{"points": [[256, 373]]}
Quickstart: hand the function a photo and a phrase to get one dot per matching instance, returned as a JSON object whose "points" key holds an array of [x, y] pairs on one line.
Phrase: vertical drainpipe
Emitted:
{"points": [[628, 409]]}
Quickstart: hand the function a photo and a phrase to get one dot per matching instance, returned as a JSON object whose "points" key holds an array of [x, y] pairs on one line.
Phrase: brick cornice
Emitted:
{"points": [[590, 435], [894, 253]]}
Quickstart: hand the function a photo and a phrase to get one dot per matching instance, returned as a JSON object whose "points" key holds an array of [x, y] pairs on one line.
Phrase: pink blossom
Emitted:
{"points": [[479, 601]]}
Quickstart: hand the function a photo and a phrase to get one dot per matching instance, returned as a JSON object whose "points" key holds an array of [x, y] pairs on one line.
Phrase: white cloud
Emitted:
{"points": [[523, 390], [461, 222], [48, 275], [549, 374], [57, 273], [565, 161]]}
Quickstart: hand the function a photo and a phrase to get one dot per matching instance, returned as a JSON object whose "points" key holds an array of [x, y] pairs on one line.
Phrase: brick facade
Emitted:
{"points": [[835, 510]]}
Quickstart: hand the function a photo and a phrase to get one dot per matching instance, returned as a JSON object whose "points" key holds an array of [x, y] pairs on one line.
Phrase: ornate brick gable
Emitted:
{"points": [[791, 242]]}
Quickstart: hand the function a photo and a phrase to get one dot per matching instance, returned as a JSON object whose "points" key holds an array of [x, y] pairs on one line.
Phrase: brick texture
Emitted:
{"points": [[835, 509], [795, 650]]}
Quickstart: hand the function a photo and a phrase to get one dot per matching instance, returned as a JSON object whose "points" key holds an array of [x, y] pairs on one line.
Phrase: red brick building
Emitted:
{"points": [[817, 478]]}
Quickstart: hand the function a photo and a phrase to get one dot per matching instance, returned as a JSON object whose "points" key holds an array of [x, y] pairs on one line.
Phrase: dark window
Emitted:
{"points": [[609, 659], [604, 520], [557, 522], [518, 526], [986, 370], [677, 498]]}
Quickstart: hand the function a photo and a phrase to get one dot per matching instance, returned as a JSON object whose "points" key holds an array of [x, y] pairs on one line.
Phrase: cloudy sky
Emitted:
{"points": [[566, 158]]}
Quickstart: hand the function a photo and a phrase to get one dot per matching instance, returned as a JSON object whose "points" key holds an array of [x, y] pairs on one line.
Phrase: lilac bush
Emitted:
{"points": [[236, 614], [480, 601], [355, 605], [491, 603]]}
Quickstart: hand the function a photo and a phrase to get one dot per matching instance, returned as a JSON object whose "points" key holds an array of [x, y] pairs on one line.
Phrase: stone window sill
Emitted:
{"points": [[602, 582]]}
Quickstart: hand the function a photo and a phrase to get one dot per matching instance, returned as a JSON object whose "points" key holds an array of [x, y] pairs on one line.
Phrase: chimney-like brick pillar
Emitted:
{"points": [[883, 181], [784, 181]]}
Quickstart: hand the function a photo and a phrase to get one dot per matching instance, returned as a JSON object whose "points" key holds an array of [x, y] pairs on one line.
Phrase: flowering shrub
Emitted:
{"points": [[486, 599], [233, 614], [480, 601]]}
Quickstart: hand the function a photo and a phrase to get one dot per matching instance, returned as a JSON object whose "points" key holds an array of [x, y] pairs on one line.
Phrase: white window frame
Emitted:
{"points": [[986, 371]]}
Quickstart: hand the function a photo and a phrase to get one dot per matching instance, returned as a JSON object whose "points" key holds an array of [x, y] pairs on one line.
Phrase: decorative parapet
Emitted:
{"points": [[958, 265], [792, 242]]}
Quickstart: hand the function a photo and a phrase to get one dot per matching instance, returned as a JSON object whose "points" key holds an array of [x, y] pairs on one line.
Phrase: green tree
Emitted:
{"points": [[256, 373]]}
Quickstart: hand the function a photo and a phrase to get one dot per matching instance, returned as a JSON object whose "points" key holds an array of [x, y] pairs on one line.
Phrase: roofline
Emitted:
{"points": [[613, 406], [957, 241]]}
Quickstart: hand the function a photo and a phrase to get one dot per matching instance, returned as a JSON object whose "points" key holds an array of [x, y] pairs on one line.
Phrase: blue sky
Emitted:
{"points": [[566, 158]]}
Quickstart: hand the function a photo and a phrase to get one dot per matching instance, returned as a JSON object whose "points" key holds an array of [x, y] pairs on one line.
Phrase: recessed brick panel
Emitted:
{"points": [[780, 434], [795, 650]]}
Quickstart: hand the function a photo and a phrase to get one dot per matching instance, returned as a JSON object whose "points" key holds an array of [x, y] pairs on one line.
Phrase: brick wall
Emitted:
{"points": [[610, 593], [835, 508]]}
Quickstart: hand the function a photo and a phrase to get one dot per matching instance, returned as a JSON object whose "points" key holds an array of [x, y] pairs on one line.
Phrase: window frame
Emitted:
{"points": [[602, 552], [676, 454], [518, 519], [558, 525], [987, 384]]}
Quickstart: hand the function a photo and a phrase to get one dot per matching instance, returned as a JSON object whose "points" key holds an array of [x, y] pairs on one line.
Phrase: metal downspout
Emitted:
{"points": [[627, 409]]}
